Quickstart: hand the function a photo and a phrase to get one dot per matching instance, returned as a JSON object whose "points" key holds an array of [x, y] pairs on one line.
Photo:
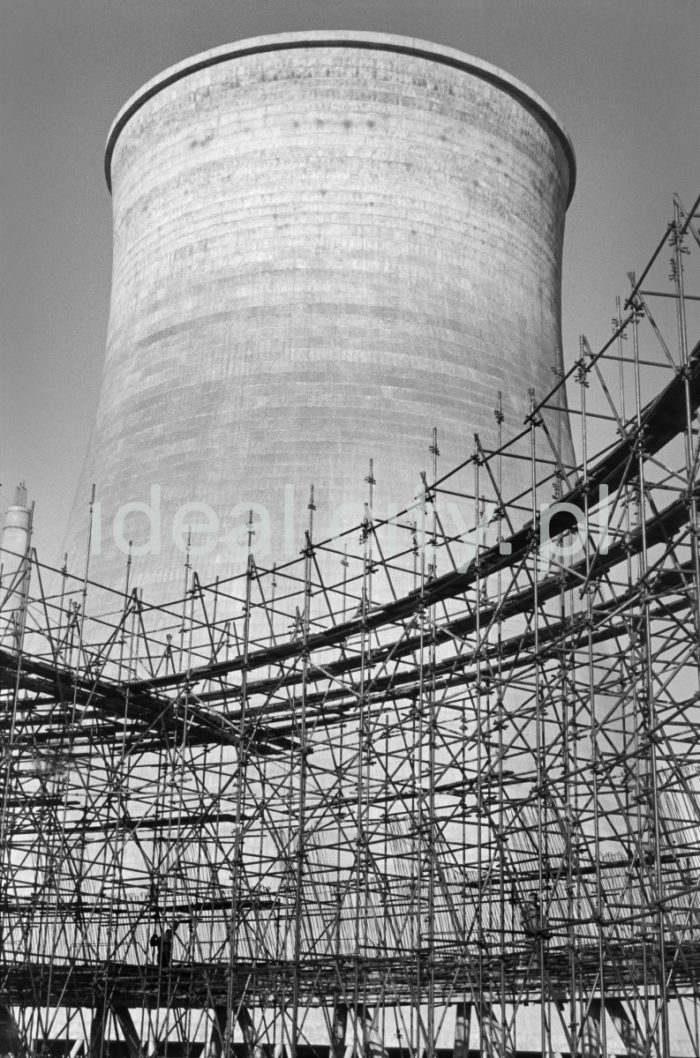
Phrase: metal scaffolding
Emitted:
{"points": [[433, 787]]}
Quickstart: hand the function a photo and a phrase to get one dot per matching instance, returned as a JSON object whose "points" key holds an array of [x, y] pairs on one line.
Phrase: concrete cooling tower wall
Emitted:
{"points": [[325, 244]]}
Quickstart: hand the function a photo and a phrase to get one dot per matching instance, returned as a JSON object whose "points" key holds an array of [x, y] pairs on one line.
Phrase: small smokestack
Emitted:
{"points": [[15, 544]]}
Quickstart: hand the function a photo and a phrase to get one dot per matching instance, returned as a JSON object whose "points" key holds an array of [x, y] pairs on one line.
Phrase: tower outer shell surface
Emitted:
{"points": [[325, 244]]}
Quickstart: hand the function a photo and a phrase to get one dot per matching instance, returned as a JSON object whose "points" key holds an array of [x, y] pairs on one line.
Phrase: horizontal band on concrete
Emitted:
{"points": [[348, 39]]}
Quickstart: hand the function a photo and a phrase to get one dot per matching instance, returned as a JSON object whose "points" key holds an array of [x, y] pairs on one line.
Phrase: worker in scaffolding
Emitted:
{"points": [[532, 916], [163, 945]]}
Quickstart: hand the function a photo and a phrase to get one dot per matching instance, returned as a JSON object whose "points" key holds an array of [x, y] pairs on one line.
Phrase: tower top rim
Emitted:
{"points": [[346, 39]]}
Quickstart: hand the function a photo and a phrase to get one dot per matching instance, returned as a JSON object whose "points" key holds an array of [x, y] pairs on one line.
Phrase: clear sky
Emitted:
{"points": [[622, 76]]}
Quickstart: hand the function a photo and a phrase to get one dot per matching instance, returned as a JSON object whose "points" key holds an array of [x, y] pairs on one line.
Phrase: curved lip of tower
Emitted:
{"points": [[345, 39]]}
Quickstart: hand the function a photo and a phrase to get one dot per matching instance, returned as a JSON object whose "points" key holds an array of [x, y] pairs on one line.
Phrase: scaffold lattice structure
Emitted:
{"points": [[434, 786]]}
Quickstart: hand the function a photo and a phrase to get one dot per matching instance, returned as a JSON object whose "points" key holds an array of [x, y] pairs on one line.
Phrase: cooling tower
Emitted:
{"points": [[325, 245]]}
